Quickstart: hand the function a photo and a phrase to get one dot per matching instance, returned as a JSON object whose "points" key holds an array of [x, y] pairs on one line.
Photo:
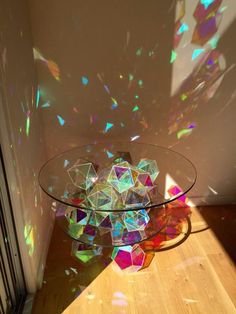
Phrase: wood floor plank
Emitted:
{"points": [[196, 277], [182, 280]]}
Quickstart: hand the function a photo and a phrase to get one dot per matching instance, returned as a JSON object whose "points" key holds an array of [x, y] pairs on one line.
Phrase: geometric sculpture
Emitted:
{"points": [[117, 187], [120, 204], [83, 175]]}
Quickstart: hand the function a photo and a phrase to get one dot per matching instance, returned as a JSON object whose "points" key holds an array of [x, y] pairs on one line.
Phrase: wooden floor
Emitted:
{"points": [[197, 276]]}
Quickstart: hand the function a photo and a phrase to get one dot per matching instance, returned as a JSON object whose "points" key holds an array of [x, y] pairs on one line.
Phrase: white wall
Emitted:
{"points": [[99, 40], [23, 147]]}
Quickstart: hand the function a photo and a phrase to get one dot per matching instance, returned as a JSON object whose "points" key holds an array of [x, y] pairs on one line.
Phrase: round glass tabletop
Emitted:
{"points": [[120, 176], [116, 194]]}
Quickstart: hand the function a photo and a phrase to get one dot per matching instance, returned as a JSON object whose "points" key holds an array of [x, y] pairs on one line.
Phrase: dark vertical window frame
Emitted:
{"points": [[10, 254]]}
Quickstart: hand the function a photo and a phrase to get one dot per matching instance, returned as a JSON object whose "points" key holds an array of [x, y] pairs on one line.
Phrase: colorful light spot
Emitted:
{"points": [[144, 123], [109, 154], [52, 66], [221, 10], [173, 56], [93, 119], [206, 3], [212, 190], [60, 120], [84, 80], [107, 89], [29, 238], [114, 105], [37, 55], [197, 52], [183, 97], [108, 126], [131, 77], [66, 163], [183, 28], [37, 97], [213, 42], [192, 125], [46, 105], [140, 83], [139, 52], [54, 69], [133, 138], [184, 132], [27, 127], [136, 108]]}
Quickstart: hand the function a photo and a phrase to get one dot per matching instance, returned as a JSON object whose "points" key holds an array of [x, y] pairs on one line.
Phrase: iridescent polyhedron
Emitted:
{"points": [[129, 257], [136, 220], [135, 198], [83, 175], [150, 166], [85, 253], [102, 197], [121, 177]]}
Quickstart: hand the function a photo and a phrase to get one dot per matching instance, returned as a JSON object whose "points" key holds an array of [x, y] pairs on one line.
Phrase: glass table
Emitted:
{"points": [[116, 194]]}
